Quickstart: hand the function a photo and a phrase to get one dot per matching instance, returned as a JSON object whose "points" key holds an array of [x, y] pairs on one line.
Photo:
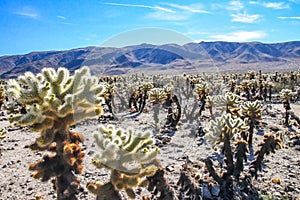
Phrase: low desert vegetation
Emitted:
{"points": [[226, 111]]}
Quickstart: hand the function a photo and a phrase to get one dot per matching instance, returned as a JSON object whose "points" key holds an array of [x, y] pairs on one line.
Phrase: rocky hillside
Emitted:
{"points": [[146, 57]]}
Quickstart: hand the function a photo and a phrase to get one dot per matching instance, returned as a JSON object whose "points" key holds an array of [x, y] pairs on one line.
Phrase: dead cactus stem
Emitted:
{"points": [[63, 164], [269, 144]]}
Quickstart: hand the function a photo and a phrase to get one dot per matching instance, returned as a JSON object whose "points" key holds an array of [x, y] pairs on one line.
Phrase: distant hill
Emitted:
{"points": [[203, 56]]}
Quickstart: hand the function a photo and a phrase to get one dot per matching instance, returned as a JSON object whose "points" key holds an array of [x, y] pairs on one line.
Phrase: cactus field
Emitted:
{"points": [[190, 136]]}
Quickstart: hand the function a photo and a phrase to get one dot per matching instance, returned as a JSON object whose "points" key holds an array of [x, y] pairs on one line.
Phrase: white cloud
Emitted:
{"points": [[295, 1], [197, 33], [276, 5], [159, 8], [159, 15], [194, 8], [293, 17], [245, 18], [235, 5], [240, 36], [61, 17], [168, 12], [27, 11], [272, 5]]}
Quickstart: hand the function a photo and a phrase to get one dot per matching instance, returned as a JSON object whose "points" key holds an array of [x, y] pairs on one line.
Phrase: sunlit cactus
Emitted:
{"points": [[157, 95], [130, 158], [232, 85], [108, 92], [222, 130], [202, 90], [139, 96], [245, 86], [252, 112], [55, 100], [286, 96], [2, 95], [231, 102], [224, 125], [211, 103], [146, 86], [251, 74]]}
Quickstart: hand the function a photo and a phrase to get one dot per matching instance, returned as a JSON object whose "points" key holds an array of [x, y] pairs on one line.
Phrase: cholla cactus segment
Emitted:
{"points": [[252, 109], [211, 100], [146, 86], [286, 94], [129, 156], [202, 88], [57, 96], [230, 99], [157, 95], [168, 89], [119, 148], [3, 132], [108, 90], [2, 93], [224, 125]]}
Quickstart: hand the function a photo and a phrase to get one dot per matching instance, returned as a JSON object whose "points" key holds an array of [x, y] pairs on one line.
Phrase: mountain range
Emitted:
{"points": [[169, 58]]}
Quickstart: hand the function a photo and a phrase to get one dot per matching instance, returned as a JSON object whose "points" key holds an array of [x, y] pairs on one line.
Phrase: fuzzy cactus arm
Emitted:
{"points": [[14, 88], [129, 156], [157, 95], [28, 89], [32, 117], [214, 130], [286, 94]]}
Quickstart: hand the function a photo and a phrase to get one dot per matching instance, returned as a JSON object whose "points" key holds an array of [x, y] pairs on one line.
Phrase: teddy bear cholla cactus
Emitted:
{"points": [[222, 130], [231, 102], [55, 101], [286, 95], [130, 158], [252, 112], [157, 97], [2, 94]]}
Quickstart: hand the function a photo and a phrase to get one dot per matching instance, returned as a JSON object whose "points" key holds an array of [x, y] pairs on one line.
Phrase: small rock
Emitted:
{"points": [[296, 142], [291, 175], [170, 168], [297, 147], [274, 128], [276, 194], [90, 153]]}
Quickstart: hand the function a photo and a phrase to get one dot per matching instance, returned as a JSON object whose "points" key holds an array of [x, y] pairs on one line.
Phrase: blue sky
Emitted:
{"points": [[40, 25]]}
